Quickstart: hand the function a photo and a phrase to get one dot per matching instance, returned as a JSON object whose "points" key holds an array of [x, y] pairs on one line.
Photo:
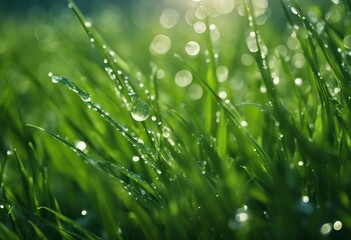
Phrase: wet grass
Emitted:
{"points": [[109, 132]]}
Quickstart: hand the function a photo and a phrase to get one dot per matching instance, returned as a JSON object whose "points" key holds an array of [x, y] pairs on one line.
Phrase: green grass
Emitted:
{"points": [[98, 140]]}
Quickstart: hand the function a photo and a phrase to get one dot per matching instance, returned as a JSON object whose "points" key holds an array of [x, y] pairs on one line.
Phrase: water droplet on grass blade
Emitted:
{"points": [[88, 23], [140, 110], [134, 96], [135, 158], [347, 42]]}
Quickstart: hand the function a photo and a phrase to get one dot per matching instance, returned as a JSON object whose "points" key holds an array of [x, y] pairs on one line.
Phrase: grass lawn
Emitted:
{"points": [[176, 120]]}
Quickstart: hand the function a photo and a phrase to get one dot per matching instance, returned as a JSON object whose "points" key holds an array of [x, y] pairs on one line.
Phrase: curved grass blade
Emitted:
{"points": [[85, 233], [6, 233], [106, 167], [86, 98], [116, 64], [40, 234]]}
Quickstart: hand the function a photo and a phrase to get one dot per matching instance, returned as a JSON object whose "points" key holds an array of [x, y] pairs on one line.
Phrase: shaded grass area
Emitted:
{"points": [[251, 142]]}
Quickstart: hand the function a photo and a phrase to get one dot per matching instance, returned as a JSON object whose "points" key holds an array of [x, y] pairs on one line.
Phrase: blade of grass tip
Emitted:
{"points": [[84, 232], [234, 116], [39, 233], [104, 166], [86, 98], [116, 63]]}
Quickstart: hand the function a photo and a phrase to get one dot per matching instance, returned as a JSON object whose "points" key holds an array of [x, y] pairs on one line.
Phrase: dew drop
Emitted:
{"points": [[243, 123], [199, 27], [337, 225], [81, 145], [88, 24], [347, 42], [54, 78], [160, 45], [298, 81], [293, 10], [169, 18], [222, 73], [222, 94], [135, 158], [183, 78], [305, 199], [140, 110], [134, 96], [192, 48], [201, 12], [326, 228], [83, 212]]}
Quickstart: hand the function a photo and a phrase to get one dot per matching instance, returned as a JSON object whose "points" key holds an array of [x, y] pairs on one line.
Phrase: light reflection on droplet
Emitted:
{"points": [[298, 60], [83, 212], [337, 225], [195, 92], [222, 73], [252, 44], [169, 18], [160, 74], [243, 123], [88, 24], [347, 42], [263, 89], [135, 158], [192, 48], [298, 81], [199, 27], [326, 228], [305, 199], [183, 78], [160, 45], [201, 12], [222, 94], [81, 145], [223, 6], [276, 80], [140, 110]]}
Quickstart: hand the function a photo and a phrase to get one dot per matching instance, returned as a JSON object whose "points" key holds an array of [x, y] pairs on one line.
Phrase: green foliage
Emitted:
{"points": [[248, 138]]}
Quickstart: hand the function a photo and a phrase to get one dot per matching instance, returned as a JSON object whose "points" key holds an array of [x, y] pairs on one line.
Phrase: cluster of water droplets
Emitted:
{"points": [[81, 93]]}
